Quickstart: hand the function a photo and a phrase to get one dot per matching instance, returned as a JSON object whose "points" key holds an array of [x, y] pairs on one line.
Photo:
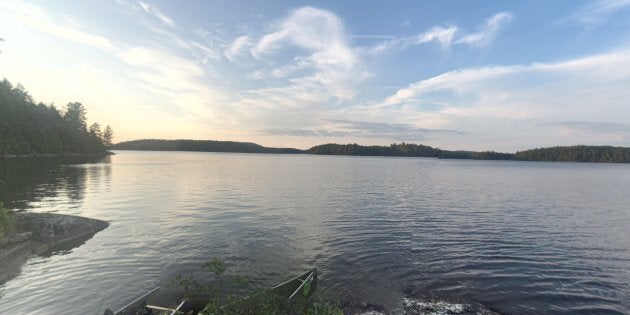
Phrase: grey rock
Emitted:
{"points": [[40, 233]]}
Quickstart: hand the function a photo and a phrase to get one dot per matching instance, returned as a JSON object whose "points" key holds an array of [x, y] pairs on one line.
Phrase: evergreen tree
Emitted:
{"points": [[95, 130], [108, 136], [28, 128]]}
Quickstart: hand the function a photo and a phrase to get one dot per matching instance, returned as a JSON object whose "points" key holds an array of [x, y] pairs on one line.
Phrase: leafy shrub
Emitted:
{"points": [[265, 302]]}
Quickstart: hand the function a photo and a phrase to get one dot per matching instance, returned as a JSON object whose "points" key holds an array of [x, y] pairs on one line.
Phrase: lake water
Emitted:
{"points": [[516, 237]]}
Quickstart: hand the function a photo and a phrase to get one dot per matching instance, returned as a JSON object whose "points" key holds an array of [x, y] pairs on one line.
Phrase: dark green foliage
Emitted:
{"points": [[29, 128], [215, 292], [485, 155], [456, 155], [403, 149], [578, 153], [199, 145], [222, 296], [108, 136]]}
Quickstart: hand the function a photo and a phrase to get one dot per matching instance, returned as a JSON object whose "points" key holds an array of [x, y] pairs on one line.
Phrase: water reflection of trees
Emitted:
{"points": [[27, 180]]}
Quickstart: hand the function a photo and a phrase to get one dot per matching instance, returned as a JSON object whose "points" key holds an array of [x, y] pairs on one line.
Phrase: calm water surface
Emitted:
{"points": [[517, 237]]}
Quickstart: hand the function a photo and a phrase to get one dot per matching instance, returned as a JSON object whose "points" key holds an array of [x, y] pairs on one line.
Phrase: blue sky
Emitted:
{"points": [[479, 75]]}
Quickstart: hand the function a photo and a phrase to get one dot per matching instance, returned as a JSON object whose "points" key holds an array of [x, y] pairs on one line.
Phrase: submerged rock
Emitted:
{"points": [[42, 233]]}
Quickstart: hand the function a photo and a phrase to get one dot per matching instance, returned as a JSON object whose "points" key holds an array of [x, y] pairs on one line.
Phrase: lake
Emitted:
{"points": [[516, 237]]}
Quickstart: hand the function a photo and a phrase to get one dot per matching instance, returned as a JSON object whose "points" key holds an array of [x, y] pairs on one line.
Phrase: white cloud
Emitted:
{"points": [[488, 32], [311, 29], [39, 19], [521, 100], [327, 67], [152, 10], [336, 128], [609, 67], [238, 48], [447, 35], [442, 35], [177, 85], [597, 11]]}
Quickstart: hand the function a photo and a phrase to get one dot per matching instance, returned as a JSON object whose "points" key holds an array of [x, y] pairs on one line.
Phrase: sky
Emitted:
{"points": [[473, 75]]}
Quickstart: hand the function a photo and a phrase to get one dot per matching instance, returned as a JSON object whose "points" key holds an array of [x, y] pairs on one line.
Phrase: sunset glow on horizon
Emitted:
{"points": [[489, 75]]}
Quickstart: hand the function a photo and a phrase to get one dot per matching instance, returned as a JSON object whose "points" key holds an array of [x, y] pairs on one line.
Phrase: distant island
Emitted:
{"points": [[200, 146], [580, 153], [30, 129]]}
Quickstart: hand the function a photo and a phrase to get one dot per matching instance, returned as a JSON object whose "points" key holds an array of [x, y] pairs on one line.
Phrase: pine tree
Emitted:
{"points": [[108, 136]]}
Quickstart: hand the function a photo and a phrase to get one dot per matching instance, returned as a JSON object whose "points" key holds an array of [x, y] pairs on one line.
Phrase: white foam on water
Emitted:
{"points": [[433, 307]]}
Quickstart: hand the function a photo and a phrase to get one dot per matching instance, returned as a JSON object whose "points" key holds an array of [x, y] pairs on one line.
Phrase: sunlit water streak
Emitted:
{"points": [[517, 237]]}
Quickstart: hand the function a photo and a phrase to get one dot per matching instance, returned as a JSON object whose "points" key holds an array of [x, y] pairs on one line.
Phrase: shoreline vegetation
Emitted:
{"points": [[578, 153], [30, 129]]}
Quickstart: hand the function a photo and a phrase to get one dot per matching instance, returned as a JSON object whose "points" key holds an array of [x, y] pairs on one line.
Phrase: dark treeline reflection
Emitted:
{"points": [[25, 180]]}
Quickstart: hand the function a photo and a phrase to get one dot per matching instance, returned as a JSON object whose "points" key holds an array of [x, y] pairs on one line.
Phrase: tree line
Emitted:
{"points": [[403, 149], [27, 127], [199, 145], [579, 153]]}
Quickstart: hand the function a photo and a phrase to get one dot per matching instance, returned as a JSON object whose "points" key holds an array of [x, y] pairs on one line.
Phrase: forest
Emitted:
{"points": [[403, 149], [199, 145], [27, 128], [579, 153]]}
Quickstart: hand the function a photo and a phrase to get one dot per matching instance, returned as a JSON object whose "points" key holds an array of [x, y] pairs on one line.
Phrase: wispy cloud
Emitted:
{"points": [[338, 128], [597, 11], [446, 36], [607, 129], [38, 18], [150, 9], [315, 30], [372, 36], [488, 31], [237, 48], [609, 67], [522, 98], [182, 82], [320, 35], [442, 35]]}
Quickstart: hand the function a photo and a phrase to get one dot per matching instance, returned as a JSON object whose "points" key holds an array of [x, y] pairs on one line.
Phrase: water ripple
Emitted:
{"points": [[518, 238]]}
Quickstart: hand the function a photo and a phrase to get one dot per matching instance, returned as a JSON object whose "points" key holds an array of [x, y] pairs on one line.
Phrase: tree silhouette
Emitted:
{"points": [[30, 128], [108, 136]]}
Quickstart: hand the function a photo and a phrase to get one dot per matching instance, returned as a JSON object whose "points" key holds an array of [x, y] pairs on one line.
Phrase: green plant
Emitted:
{"points": [[220, 298], [216, 292]]}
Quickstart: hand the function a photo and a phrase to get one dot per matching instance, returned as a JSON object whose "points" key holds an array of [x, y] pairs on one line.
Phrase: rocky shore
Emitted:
{"points": [[42, 233]]}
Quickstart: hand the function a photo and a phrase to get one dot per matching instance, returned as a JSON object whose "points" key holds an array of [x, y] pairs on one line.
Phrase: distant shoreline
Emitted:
{"points": [[54, 155], [578, 153]]}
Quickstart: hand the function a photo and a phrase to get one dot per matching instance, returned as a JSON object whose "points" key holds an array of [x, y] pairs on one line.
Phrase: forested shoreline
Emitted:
{"points": [[36, 129], [578, 153], [199, 146]]}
